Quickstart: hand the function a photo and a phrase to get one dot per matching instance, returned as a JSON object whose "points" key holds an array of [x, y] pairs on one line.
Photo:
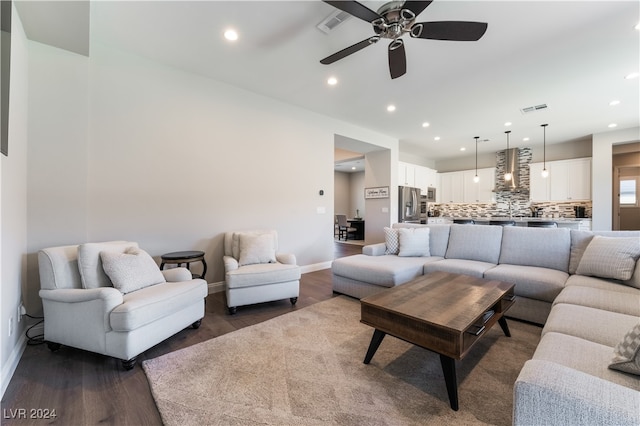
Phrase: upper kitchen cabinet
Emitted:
{"points": [[406, 174], [568, 180], [425, 178], [451, 187], [482, 191]]}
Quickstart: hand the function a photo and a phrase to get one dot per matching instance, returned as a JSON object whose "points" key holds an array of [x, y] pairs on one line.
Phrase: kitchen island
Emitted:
{"points": [[583, 224]]}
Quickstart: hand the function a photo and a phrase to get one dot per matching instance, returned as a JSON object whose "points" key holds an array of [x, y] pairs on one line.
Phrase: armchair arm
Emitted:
{"points": [[230, 263], [287, 259], [111, 296], [374, 249], [175, 275]]}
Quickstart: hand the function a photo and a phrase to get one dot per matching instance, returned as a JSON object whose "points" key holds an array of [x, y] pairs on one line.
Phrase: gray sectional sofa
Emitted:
{"points": [[584, 290]]}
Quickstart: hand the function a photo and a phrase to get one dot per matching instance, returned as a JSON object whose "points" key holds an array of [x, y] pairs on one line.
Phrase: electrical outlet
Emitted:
{"points": [[10, 326], [21, 311]]}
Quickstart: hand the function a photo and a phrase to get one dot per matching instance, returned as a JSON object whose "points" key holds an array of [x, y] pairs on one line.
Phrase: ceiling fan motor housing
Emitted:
{"points": [[394, 21]]}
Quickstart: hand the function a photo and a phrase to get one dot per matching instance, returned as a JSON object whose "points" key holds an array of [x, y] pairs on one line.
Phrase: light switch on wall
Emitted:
{"points": [[385, 210], [321, 210]]}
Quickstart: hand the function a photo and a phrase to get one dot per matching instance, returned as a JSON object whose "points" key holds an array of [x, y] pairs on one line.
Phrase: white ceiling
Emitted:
{"points": [[571, 55]]}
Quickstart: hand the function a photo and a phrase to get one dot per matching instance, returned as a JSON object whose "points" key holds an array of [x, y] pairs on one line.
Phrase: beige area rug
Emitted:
{"points": [[305, 368]]}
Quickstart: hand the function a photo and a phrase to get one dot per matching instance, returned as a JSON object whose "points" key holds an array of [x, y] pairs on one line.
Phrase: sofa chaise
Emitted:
{"points": [[583, 286]]}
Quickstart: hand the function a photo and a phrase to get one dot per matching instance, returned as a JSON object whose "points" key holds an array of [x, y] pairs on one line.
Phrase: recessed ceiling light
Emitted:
{"points": [[425, 124], [507, 124], [463, 149], [437, 138], [525, 139], [353, 168], [612, 125], [391, 108], [231, 35], [614, 103], [332, 81], [631, 76]]}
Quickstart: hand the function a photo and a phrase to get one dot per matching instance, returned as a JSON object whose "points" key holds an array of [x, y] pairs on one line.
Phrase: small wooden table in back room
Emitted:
{"points": [[186, 257], [442, 312]]}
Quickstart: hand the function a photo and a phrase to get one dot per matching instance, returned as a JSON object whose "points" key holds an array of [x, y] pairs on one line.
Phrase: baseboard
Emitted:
{"points": [[315, 267], [216, 287], [10, 366]]}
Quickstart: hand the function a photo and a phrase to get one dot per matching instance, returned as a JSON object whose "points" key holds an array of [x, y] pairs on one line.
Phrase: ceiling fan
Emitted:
{"points": [[396, 18]]}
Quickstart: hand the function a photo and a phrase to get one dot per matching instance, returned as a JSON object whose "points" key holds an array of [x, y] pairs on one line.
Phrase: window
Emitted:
{"points": [[628, 191]]}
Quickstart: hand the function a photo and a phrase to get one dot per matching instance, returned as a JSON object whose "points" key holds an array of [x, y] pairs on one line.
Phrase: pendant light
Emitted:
{"points": [[476, 179], [545, 172], [507, 174]]}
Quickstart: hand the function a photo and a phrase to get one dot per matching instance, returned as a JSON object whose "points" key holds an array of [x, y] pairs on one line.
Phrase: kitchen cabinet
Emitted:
{"points": [[406, 174], [482, 191], [568, 180], [451, 187], [425, 178]]}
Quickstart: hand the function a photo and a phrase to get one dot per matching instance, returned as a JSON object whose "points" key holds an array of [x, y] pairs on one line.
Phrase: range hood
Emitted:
{"points": [[508, 160]]}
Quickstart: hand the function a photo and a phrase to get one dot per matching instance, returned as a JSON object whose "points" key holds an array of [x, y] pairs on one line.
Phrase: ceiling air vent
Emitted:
{"points": [[332, 21], [529, 110]]}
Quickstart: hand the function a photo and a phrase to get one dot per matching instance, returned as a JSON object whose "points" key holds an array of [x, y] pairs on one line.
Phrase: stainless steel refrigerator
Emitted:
{"points": [[408, 204]]}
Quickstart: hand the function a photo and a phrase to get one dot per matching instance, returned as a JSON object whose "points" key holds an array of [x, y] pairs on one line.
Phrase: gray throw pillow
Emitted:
{"points": [[626, 354], [391, 241], [132, 270], [610, 257], [414, 242]]}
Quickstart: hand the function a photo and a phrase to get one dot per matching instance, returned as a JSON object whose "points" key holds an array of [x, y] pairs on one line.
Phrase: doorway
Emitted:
{"points": [[626, 199]]}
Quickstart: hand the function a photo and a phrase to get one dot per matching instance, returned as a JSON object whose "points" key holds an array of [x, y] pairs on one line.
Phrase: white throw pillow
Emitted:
{"points": [[391, 241], [414, 242], [610, 257], [90, 265], [132, 270], [626, 354], [256, 249]]}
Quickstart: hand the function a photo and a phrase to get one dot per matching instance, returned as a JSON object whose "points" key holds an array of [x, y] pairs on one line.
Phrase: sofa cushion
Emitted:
{"points": [[542, 247], [609, 300], [593, 360], [256, 248], [90, 265], [261, 274], [596, 325], [392, 245], [132, 270], [478, 242], [610, 257], [413, 242], [626, 355], [152, 303], [594, 282], [474, 268], [386, 270], [531, 281]]}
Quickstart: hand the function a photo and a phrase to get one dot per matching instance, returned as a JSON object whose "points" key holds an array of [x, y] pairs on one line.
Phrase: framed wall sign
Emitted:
{"points": [[377, 192]]}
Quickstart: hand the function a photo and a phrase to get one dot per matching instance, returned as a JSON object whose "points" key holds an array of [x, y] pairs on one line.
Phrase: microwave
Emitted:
{"points": [[430, 195]]}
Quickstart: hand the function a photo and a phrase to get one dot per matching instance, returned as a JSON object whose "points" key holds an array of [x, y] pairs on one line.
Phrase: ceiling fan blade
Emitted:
{"points": [[449, 30], [416, 6], [349, 50], [397, 58], [356, 9]]}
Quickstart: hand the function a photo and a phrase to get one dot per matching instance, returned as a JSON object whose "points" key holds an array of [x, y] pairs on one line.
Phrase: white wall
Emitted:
{"points": [[602, 174], [13, 209], [356, 192], [173, 160]]}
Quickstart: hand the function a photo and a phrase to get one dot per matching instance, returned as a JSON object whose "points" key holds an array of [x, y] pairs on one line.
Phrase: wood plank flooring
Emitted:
{"points": [[86, 388]]}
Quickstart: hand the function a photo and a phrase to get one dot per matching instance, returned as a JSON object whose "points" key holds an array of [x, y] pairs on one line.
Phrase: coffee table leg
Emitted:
{"points": [[373, 346], [449, 370], [505, 328]]}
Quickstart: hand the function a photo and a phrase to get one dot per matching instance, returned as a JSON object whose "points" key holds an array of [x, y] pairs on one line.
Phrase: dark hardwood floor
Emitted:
{"points": [[86, 388]]}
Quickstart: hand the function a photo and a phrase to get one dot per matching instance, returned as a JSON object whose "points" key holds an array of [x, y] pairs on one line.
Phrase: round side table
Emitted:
{"points": [[186, 257]]}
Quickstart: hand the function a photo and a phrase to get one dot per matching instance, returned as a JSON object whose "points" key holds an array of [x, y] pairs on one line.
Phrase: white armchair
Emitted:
{"points": [[255, 272], [82, 309]]}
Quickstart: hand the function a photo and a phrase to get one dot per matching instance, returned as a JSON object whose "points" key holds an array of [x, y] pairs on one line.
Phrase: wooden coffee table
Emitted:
{"points": [[442, 312]]}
